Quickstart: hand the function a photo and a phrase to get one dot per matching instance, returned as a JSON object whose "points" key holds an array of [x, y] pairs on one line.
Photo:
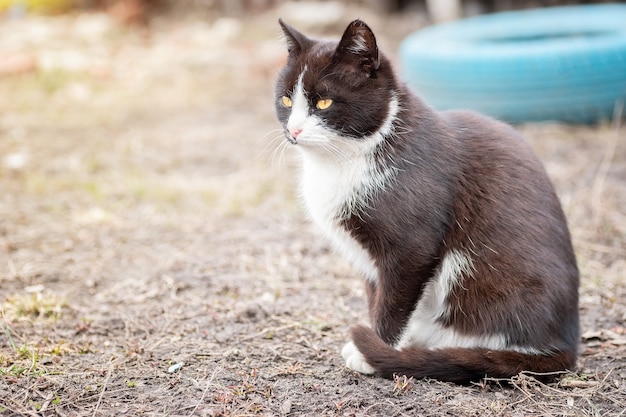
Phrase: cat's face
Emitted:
{"points": [[333, 95]]}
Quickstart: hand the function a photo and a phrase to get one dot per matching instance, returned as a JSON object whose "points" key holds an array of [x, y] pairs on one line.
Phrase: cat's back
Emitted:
{"points": [[478, 130], [504, 187], [496, 154]]}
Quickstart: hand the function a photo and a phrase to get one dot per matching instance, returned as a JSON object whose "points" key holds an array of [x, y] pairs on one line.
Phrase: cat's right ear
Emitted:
{"points": [[296, 41], [358, 48]]}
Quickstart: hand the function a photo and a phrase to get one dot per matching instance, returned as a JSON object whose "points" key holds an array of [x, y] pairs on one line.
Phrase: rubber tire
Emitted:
{"points": [[559, 63]]}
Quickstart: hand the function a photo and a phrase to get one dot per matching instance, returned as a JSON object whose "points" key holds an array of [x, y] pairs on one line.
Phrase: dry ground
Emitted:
{"points": [[154, 259]]}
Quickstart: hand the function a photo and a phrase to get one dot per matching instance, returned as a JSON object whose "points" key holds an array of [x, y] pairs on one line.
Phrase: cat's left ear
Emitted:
{"points": [[358, 46], [296, 41]]}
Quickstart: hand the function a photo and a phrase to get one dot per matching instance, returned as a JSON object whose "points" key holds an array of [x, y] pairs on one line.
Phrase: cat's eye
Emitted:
{"points": [[324, 103], [286, 101]]}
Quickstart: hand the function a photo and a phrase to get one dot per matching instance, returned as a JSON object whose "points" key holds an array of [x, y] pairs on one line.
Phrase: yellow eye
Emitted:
{"points": [[324, 104], [286, 101]]}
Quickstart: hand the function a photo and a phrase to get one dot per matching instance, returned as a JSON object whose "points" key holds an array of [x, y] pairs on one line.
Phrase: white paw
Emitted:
{"points": [[355, 360]]}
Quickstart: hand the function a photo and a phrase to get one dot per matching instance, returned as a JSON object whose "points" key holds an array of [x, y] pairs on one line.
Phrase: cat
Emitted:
{"points": [[449, 216]]}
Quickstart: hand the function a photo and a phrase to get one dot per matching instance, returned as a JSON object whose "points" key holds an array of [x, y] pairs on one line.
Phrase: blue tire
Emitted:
{"points": [[560, 63]]}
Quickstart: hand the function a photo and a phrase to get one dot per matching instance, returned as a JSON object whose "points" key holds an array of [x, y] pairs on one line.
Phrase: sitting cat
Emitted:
{"points": [[449, 216]]}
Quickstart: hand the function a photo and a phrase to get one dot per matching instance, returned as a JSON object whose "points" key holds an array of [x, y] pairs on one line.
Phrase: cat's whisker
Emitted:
{"points": [[274, 148], [269, 144], [286, 145], [337, 153], [279, 153], [269, 148], [271, 132], [329, 146]]}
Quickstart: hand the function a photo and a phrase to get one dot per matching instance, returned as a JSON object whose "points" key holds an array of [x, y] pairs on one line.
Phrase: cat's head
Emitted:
{"points": [[332, 93]]}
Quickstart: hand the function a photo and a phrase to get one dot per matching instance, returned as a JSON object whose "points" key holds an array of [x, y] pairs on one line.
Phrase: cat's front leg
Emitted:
{"points": [[390, 309], [370, 290], [350, 353]]}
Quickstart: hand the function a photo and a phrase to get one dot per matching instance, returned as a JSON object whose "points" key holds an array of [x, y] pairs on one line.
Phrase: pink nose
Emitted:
{"points": [[295, 133]]}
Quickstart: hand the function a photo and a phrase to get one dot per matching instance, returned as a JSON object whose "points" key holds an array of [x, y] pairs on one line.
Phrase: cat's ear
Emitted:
{"points": [[358, 46], [296, 41]]}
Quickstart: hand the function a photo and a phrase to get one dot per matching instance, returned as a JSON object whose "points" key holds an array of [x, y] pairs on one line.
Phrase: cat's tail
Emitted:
{"points": [[459, 365]]}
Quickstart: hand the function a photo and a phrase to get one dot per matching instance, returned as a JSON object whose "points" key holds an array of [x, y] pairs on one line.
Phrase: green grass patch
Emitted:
{"points": [[37, 305], [26, 362]]}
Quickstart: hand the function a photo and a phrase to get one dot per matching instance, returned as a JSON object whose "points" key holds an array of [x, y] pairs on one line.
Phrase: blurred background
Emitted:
{"points": [[141, 10]]}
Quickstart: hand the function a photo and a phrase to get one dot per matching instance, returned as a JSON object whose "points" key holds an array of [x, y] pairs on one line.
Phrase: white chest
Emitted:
{"points": [[329, 190]]}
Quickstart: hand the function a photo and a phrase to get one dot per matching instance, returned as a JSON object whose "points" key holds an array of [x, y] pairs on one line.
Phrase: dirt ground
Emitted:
{"points": [[154, 259]]}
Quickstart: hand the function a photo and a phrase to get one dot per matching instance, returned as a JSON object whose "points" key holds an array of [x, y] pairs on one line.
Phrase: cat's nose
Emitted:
{"points": [[295, 132]]}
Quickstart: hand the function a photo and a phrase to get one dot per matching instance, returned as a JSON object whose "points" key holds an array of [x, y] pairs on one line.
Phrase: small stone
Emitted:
{"points": [[285, 407], [175, 367]]}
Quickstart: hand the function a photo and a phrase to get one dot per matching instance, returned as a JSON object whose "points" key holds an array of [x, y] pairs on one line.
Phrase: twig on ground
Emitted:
{"points": [[206, 389], [104, 387]]}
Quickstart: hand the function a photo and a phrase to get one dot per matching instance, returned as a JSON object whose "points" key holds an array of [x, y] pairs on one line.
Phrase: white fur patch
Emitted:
{"points": [[423, 328], [326, 188], [300, 108], [355, 360]]}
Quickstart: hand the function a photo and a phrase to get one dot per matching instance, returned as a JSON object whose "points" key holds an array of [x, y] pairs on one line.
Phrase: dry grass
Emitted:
{"points": [[154, 261]]}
